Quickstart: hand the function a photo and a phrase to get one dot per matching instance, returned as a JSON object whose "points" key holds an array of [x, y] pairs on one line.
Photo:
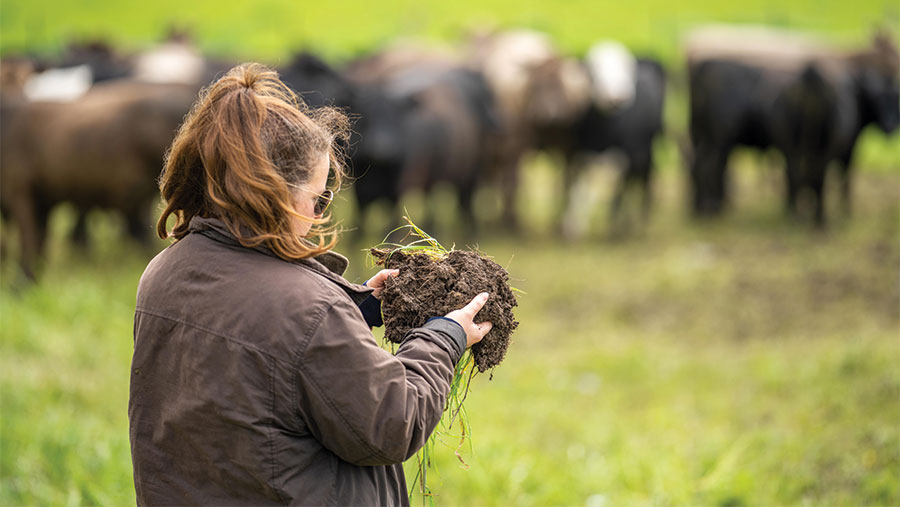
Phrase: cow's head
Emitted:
{"points": [[379, 133], [877, 81], [613, 71], [316, 82], [880, 99], [558, 92], [105, 62], [14, 73]]}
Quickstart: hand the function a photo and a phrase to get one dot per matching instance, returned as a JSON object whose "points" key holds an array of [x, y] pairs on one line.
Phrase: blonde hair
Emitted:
{"points": [[245, 142]]}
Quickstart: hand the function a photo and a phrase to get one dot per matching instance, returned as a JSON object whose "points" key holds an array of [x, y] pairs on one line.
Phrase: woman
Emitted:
{"points": [[255, 377]]}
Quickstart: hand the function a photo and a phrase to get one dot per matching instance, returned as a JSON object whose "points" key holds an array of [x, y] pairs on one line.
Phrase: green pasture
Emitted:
{"points": [[742, 361], [269, 29], [746, 361]]}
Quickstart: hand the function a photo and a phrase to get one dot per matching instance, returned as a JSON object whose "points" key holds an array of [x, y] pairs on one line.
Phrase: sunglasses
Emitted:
{"points": [[323, 200]]}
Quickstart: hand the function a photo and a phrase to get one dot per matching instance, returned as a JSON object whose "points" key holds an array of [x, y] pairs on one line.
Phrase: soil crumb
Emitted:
{"points": [[433, 287]]}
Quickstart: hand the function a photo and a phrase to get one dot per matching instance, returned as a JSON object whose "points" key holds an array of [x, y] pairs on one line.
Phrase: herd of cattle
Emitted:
{"points": [[91, 128]]}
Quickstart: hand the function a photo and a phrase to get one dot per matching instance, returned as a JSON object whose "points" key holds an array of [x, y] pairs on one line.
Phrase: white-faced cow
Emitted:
{"points": [[616, 105]]}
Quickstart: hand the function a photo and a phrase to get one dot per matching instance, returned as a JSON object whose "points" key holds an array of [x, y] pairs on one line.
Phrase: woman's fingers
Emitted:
{"points": [[381, 276], [377, 281], [463, 316], [475, 305]]}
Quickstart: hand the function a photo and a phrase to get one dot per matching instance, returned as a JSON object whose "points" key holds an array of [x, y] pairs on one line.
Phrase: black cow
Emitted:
{"points": [[731, 104], [812, 113], [377, 147], [446, 128], [105, 63], [866, 94], [630, 129], [317, 82], [448, 132]]}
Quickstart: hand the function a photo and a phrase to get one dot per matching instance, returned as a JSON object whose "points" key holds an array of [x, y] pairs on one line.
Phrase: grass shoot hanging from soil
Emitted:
{"points": [[433, 281]]}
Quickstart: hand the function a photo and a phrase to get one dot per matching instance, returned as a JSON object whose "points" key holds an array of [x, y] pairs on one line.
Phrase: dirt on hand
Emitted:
{"points": [[429, 287]]}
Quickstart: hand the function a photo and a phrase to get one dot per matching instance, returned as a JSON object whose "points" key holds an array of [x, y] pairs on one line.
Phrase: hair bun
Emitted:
{"points": [[249, 75], [248, 80]]}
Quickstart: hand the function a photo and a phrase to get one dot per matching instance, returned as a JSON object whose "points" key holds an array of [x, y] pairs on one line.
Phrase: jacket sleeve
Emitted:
{"points": [[364, 404]]}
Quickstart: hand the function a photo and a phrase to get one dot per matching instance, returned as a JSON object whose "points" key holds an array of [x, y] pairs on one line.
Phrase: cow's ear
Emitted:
{"points": [[885, 46], [873, 87]]}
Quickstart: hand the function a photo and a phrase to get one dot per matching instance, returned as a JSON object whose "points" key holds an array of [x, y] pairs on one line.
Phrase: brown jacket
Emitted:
{"points": [[256, 381]]}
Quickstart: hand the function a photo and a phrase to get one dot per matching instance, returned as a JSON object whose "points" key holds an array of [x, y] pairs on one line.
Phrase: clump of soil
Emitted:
{"points": [[433, 287]]}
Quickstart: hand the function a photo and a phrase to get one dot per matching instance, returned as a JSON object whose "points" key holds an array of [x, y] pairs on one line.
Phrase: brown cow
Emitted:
{"points": [[104, 149], [510, 61]]}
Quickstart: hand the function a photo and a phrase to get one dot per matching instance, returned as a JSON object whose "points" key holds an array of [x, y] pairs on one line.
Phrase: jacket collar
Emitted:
{"points": [[331, 265]]}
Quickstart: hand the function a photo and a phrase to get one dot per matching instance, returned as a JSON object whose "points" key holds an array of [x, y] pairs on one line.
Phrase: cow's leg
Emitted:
{"points": [[79, 232], [43, 219], [567, 216], [509, 188], [139, 226], [709, 178], [641, 168], [720, 172], [32, 224], [357, 234], [572, 167], [845, 171], [846, 201], [817, 185], [617, 219], [582, 195], [626, 175], [4, 235], [394, 215], [429, 220], [792, 185], [696, 174], [466, 192]]}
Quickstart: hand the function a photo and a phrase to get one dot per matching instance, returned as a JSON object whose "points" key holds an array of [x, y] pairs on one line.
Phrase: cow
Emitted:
{"points": [[767, 89], [508, 60], [83, 65], [104, 61], [448, 125], [867, 93], [377, 147], [622, 110], [449, 135], [102, 150]]}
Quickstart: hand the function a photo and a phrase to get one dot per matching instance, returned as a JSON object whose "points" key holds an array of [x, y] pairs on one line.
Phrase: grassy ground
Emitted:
{"points": [[742, 361], [745, 361]]}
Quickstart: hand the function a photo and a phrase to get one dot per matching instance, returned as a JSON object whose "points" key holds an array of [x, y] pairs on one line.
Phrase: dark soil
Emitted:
{"points": [[428, 287]]}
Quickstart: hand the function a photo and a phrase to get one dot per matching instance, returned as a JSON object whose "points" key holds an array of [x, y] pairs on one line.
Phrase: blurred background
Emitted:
{"points": [[700, 202]]}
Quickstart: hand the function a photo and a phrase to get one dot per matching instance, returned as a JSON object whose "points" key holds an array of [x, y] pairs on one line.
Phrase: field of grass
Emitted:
{"points": [[270, 29], [744, 361]]}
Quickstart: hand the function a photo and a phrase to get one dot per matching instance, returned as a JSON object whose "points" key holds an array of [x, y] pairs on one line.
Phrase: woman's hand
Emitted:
{"points": [[377, 281], [463, 316]]}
